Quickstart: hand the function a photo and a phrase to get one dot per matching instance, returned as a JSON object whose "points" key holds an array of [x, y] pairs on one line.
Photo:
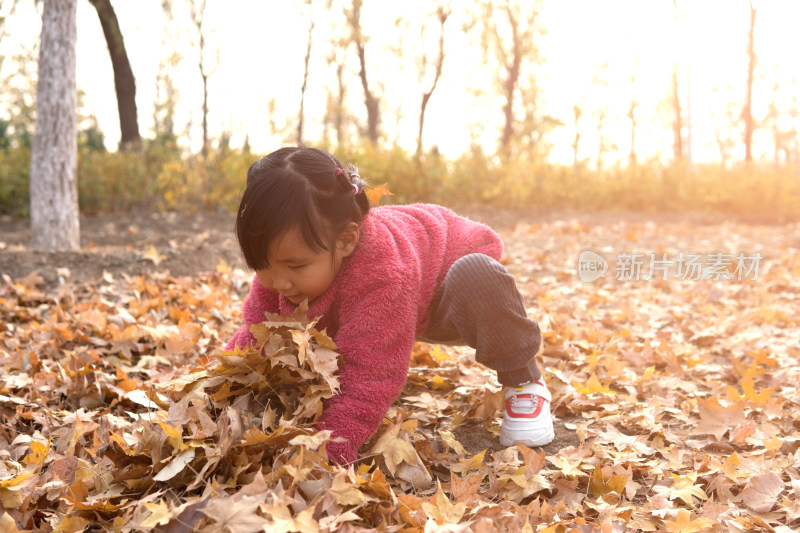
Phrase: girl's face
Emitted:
{"points": [[297, 272]]}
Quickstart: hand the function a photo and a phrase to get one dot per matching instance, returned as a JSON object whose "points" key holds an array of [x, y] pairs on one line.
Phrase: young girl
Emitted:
{"points": [[380, 278]]}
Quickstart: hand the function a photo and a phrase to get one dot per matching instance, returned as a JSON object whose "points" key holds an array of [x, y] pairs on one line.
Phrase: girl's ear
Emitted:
{"points": [[348, 239]]}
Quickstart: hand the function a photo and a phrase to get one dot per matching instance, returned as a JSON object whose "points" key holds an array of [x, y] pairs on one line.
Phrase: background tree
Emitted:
{"points": [[301, 117], [677, 121], [53, 187], [577, 114], [747, 112], [633, 104], [370, 100], [601, 114], [509, 32], [197, 9], [442, 13], [124, 81], [335, 115]]}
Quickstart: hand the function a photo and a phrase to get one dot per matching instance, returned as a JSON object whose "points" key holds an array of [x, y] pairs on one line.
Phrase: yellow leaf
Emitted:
{"points": [[683, 488], [592, 386], [151, 254], [451, 442], [684, 524], [441, 509], [375, 193], [729, 468], [159, 514], [395, 450], [345, 493], [174, 436], [38, 453], [8, 524]]}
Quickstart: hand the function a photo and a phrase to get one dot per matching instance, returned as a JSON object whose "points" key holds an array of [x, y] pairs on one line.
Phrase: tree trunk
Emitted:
{"points": [[577, 112], [747, 113], [510, 86], [426, 96], [55, 223], [301, 117], [338, 121], [124, 82], [677, 123], [632, 112], [370, 100]]}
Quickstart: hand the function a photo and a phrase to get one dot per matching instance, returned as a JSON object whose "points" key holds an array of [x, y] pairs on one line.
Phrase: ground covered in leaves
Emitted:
{"points": [[675, 399]]}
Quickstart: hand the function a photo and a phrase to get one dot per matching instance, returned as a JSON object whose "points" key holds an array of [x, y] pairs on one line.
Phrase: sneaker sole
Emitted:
{"points": [[509, 437]]}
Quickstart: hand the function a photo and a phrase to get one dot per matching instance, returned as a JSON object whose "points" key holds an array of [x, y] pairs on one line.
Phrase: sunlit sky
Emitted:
{"points": [[260, 47]]}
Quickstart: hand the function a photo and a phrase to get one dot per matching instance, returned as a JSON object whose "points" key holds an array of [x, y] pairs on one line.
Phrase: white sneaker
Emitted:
{"points": [[526, 417]]}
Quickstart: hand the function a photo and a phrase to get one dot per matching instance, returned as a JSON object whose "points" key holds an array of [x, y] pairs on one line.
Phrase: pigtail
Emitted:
{"points": [[360, 191], [354, 184]]}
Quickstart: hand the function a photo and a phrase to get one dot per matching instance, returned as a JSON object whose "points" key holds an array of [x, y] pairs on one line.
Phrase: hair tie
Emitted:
{"points": [[338, 171], [356, 188]]}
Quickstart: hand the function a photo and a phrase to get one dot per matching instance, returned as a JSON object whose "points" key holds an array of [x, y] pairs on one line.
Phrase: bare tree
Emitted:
{"points": [[441, 14], [747, 112], [197, 12], [55, 223], [301, 117], [677, 122], [370, 100], [124, 82], [726, 111], [601, 114], [632, 105], [577, 113], [511, 36], [336, 94], [335, 104]]}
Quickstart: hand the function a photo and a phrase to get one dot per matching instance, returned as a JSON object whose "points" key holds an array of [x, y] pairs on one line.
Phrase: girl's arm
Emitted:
{"points": [[375, 339], [259, 301]]}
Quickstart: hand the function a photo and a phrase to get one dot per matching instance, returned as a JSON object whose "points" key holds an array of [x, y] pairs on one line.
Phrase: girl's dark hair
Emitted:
{"points": [[299, 187]]}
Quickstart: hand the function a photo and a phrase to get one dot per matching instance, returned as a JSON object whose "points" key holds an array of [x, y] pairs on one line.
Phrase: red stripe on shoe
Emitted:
{"points": [[512, 414]]}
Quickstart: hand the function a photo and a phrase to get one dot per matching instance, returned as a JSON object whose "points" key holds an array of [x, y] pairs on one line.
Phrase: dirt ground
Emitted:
{"points": [[188, 244]]}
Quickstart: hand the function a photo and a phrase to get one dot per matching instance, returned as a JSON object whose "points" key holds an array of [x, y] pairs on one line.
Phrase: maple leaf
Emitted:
{"points": [[684, 488], [466, 488], [394, 449], [344, 493], [684, 523], [151, 254], [236, 515], [716, 419], [284, 522], [600, 487], [160, 514], [375, 193], [441, 509], [451, 442], [592, 386]]}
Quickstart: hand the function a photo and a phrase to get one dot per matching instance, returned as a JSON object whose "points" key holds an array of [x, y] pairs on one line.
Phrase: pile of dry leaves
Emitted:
{"points": [[120, 412]]}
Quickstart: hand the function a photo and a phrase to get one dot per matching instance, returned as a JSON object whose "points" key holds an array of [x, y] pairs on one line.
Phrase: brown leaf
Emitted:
{"points": [[761, 492]]}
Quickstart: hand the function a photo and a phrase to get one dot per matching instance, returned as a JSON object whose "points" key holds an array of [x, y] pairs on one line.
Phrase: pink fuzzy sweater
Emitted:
{"points": [[376, 306]]}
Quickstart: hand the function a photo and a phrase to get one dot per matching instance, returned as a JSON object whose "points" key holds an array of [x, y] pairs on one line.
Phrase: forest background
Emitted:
{"points": [[649, 106]]}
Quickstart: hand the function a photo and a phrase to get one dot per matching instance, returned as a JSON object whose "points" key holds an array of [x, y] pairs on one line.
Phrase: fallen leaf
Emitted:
{"points": [[761, 492]]}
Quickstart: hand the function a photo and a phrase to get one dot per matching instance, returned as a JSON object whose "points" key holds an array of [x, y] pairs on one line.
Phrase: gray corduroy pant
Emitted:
{"points": [[478, 304]]}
